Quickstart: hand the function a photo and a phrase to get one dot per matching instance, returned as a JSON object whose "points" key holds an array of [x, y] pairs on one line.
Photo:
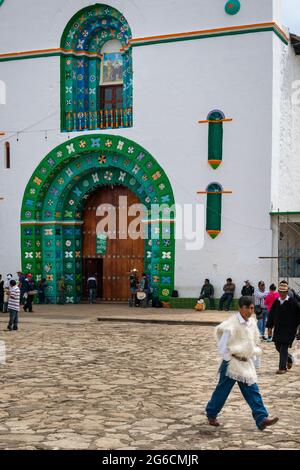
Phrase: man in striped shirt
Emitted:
{"points": [[13, 305]]}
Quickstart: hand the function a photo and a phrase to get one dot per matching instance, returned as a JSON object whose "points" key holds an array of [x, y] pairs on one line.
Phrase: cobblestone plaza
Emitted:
{"points": [[72, 382]]}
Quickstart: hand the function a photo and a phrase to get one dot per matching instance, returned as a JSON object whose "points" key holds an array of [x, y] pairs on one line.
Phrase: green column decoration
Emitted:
{"points": [[214, 209], [215, 139]]}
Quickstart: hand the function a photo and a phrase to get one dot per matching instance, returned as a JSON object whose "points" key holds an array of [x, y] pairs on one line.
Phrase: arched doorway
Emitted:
{"points": [[54, 201], [111, 258]]}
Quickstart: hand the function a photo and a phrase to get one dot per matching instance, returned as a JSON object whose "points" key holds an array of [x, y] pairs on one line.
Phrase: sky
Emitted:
{"points": [[291, 15]]}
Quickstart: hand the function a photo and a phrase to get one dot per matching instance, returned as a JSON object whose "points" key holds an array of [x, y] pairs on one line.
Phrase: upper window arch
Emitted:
{"points": [[96, 70], [215, 138]]}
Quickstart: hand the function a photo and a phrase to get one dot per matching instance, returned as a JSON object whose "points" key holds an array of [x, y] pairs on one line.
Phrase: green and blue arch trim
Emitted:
{"points": [[82, 41], [53, 205]]}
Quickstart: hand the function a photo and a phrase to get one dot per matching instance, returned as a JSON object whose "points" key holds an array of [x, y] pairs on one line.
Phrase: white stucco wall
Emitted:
{"points": [[175, 85], [39, 23], [287, 195]]}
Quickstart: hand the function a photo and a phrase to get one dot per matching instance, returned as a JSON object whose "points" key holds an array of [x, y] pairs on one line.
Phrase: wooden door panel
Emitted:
{"points": [[122, 255]]}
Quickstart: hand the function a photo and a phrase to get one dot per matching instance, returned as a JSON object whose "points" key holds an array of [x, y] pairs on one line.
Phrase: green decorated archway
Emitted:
{"points": [[53, 204]]}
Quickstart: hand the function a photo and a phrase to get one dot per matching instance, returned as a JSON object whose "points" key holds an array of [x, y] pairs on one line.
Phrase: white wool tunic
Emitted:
{"points": [[243, 341]]}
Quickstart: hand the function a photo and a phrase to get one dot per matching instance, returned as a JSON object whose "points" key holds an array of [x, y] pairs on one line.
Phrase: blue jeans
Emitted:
{"points": [[228, 298], [92, 295], [250, 393], [261, 324], [13, 319]]}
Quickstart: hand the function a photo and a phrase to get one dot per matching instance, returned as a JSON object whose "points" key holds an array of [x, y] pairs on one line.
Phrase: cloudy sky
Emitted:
{"points": [[291, 15]]}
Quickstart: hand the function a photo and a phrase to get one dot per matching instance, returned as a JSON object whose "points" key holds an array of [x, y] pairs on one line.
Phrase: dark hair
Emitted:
{"points": [[229, 279], [245, 301], [12, 283], [206, 280], [284, 282], [272, 287]]}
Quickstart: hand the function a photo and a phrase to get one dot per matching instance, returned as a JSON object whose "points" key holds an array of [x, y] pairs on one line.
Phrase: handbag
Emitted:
{"points": [[258, 312], [141, 295], [200, 306]]}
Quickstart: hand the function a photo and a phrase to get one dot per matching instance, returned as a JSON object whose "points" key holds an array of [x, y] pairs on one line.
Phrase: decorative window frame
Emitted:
{"points": [[81, 43]]}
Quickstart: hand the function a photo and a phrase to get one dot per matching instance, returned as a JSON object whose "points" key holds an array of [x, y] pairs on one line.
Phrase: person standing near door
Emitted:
{"points": [[133, 282], [29, 291], [144, 287], [92, 288]]}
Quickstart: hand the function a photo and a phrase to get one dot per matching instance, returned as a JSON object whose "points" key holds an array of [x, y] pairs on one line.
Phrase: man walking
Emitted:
{"points": [[13, 305], [238, 340], [284, 318], [260, 309]]}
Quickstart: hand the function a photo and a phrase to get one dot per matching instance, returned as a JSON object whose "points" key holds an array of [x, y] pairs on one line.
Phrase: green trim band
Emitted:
{"points": [[151, 41], [211, 35], [284, 213]]}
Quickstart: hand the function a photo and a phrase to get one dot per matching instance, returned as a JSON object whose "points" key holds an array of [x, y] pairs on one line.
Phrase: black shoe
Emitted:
{"points": [[9, 329], [15, 329]]}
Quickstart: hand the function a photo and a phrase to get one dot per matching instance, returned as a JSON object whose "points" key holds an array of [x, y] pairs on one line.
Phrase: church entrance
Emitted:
{"points": [[112, 255], [60, 219]]}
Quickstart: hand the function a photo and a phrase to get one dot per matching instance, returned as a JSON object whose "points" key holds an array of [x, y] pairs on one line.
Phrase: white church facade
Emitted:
{"points": [[161, 103]]}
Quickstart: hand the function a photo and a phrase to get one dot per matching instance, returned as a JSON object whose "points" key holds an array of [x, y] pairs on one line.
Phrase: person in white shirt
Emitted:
{"points": [[261, 310], [13, 305], [238, 344]]}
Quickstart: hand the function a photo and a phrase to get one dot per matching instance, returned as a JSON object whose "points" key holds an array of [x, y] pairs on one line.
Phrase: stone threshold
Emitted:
{"points": [[152, 321]]}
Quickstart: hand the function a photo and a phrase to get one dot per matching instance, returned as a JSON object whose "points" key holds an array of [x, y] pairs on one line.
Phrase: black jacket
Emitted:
{"points": [[207, 289], [284, 319], [248, 291]]}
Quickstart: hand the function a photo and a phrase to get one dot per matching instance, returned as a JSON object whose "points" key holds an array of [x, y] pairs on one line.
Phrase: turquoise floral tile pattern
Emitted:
{"points": [[53, 204]]}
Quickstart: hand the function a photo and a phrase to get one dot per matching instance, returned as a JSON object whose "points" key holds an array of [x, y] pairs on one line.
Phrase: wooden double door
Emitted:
{"points": [[122, 252]]}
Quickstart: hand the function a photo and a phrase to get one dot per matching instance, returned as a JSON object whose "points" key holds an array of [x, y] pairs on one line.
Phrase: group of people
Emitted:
{"points": [[140, 290], [208, 292], [19, 291], [239, 346]]}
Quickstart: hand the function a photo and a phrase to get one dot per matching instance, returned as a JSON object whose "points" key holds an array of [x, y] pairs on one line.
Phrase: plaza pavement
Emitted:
{"points": [[73, 382]]}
